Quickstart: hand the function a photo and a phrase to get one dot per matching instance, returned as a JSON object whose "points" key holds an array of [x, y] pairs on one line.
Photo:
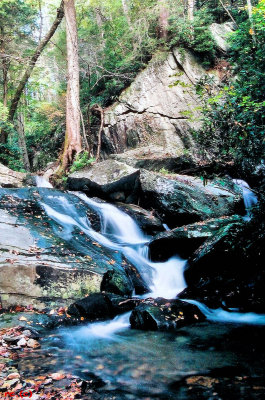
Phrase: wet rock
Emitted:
{"points": [[116, 282], [186, 239], [22, 342], [182, 199], [146, 220], [109, 179], [45, 263], [163, 315], [140, 286], [11, 179], [228, 269], [100, 306], [32, 343]]}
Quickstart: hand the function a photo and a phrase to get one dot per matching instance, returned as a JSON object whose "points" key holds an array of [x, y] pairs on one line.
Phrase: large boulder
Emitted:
{"points": [[228, 269], [101, 306], [158, 109], [221, 33], [108, 179], [183, 199], [163, 315], [49, 261], [186, 239], [10, 178]]}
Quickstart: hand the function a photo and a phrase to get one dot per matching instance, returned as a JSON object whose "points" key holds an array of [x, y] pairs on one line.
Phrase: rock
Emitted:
{"points": [[57, 376], [116, 282], [186, 239], [109, 179], [158, 109], [22, 342], [163, 315], [182, 199], [33, 343], [14, 375], [42, 262], [154, 158], [140, 286], [227, 270], [146, 220], [220, 34], [9, 178], [100, 306]]}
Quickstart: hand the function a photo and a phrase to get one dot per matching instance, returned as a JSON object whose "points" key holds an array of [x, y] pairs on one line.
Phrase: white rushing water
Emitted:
{"points": [[120, 232], [220, 315], [42, 182], [250, 199]]}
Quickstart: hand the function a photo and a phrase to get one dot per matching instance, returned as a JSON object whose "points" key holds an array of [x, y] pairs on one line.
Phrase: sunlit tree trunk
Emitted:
{"points": [[125, 7], [163, 19], [73, 143], [250, 14], [190, 10]]}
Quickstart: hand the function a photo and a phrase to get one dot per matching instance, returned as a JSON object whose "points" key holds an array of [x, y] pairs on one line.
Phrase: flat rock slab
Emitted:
{"points": [[45, 263], [109, 179]]}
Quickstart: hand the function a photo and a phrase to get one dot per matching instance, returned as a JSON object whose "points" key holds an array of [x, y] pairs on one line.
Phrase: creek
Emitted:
{"points": [[137, 364]]}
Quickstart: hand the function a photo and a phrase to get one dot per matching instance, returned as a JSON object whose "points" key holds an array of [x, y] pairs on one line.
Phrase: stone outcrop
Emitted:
{"points": [[220, 34], [227, 270], [182, 199], [10, 178], [157, 111], [109, 179], [42, 263]]}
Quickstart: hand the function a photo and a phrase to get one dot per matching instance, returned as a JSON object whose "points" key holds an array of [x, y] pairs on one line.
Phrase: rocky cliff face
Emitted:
{"points": [[156, 112]]}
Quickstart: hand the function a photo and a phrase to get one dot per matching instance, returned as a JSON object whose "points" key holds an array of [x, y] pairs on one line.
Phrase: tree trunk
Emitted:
{"points": [[22, 141], [5, 65], [163, 20], [73, 143], [33, 60], [190, 10], [250, 14]]}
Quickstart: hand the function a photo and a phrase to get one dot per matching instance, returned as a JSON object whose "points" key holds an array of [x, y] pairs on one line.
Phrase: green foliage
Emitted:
{"points": [[194, 35], [82, 161], [234, 119]]}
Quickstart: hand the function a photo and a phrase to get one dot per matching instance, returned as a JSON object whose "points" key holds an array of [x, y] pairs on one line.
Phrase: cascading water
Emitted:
{"points": [[120, 232], [42, 182], [250, 199]]}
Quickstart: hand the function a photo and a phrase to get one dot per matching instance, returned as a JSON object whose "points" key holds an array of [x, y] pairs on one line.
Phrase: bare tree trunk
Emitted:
{"points": [[250, 14], [98, 108], [22, 141], [5, 66], [190, 10], [33, 60], [228, 12], [163, 20], [73, 143]]}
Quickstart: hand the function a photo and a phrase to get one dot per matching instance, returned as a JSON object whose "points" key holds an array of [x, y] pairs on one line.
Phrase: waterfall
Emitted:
{"points": [[120, 232], [42, 182], [250, 199]]}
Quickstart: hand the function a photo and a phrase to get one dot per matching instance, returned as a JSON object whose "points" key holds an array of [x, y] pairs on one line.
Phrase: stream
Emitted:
{"points": [[143, 365]]}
